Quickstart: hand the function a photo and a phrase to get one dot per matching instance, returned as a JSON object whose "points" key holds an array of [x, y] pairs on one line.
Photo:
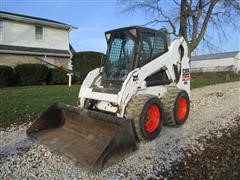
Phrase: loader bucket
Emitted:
{"points": [[93, 139]]}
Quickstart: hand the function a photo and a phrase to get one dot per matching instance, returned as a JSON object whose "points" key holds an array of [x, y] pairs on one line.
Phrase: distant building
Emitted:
{"points": [[27, 39], [228, 61]]}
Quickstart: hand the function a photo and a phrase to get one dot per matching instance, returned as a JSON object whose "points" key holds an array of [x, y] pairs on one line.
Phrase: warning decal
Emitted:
{"points": [[186, 74]]}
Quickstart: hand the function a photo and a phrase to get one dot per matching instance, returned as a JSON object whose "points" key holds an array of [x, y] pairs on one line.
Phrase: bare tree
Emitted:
{"points": [[189, 18]]}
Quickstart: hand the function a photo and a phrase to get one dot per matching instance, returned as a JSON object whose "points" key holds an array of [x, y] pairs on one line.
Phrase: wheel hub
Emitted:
{"points": [[152, 118], [181, 108]]}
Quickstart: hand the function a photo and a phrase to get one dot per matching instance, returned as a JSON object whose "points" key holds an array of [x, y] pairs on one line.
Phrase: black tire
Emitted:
{"points": [[137, 110], [171, 105]]}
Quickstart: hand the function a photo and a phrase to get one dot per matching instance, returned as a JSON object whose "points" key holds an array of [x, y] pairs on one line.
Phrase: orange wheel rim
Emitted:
{"points": [[182, 108], [152, 120]]}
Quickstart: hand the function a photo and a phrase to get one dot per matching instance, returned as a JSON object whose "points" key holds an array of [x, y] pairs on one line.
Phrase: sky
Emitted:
{"points": [[94, 17]]}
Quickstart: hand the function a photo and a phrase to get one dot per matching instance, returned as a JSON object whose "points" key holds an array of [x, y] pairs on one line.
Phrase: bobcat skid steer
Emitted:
{"points": [[143, 84]]}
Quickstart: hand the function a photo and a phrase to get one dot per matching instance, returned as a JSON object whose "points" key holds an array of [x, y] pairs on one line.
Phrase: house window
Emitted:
{"points": [[38, 32], [1, 29]]}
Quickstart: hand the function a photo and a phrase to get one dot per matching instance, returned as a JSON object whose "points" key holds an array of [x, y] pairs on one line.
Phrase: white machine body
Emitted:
{"points": [[135, 82]]}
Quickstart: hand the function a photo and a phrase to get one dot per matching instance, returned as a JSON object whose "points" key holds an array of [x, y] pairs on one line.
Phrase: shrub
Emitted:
{"points": [[32, 74], [83, 62], [57, 76], [7, 76]]}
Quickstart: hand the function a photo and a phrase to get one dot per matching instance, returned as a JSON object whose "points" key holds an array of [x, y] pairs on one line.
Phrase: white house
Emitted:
{"points": [[27, 39], [228, 61]]}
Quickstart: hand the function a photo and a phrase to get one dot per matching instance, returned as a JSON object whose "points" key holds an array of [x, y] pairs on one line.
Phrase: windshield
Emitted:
{"points": [[120, 58]]}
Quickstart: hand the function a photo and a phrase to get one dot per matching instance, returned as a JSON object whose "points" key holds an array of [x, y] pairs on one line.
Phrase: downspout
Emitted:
{"points": [[69, 30]]}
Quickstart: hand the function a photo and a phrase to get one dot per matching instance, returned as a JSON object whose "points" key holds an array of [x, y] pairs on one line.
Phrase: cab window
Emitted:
{"points": [[152, 46], [159, 46], [147, 42]]}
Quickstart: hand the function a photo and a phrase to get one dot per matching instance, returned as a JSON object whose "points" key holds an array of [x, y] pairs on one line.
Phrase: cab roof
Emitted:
{"points": [[138, 28]]}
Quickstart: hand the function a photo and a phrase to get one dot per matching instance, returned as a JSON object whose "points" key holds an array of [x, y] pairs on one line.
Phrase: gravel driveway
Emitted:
{"points": [[213, 108]]}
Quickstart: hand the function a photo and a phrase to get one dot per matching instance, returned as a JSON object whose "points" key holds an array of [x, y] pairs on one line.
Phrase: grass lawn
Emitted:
{"points": [[24, 103], [19, 104], [200, 81]]}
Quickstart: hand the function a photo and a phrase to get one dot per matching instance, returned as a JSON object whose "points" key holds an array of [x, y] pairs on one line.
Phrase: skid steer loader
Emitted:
{"points": [[143, 84]]}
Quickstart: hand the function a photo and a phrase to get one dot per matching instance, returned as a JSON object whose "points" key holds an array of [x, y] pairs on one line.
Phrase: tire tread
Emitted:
{"points": [[168, 102], [133, 112]]}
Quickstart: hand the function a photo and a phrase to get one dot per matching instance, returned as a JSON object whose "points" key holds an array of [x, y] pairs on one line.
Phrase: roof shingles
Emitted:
{"points": [[215, 56], [10, 15], [33, 50]]}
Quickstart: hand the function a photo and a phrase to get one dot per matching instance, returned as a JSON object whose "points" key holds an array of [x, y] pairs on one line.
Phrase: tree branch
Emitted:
{"points": [[183, 20], [156, 21], [195, 19], [194, 16], [166, 17], [176, 3], [194, 44]]}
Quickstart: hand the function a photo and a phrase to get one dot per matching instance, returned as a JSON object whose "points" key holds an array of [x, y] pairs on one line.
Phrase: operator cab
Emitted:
{"points": [[129, 48]]}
